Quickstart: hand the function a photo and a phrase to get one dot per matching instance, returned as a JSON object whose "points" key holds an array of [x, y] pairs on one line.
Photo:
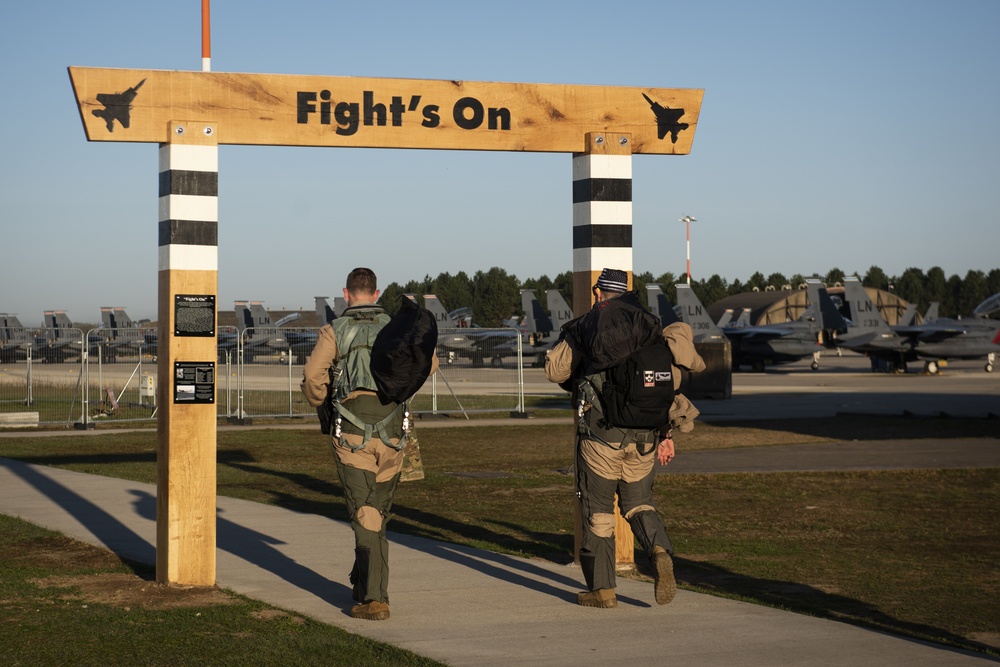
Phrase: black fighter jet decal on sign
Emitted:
{"points": [[117, 106], [666, 120]]}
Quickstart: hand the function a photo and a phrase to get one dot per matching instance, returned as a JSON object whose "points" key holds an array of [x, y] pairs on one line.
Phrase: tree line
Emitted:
{"points": [[494, 295]]}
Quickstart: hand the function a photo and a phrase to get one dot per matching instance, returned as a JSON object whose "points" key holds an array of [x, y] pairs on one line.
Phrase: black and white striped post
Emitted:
{"points": [[186, 355], [602, 212]]}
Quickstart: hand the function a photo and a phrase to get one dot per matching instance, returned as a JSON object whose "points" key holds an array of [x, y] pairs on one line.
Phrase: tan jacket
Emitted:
{"points": [[315, 374], [679, 338]]}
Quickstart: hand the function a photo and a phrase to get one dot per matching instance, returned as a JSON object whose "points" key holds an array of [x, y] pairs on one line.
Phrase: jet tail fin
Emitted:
{"points": [[244, 320], [559, 310], [536, 320], [932, 312], [865, 316], [906, 319], [694, 314], [433, 304], [660, 306], [324, 313]]}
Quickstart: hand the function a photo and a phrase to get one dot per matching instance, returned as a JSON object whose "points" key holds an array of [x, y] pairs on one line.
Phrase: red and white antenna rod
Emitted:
{"points": [[206, 37]]}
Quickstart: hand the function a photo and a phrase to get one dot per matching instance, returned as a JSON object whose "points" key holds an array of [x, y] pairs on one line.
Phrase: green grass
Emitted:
{"points": [[63, 602], [911, 552], [63, 404]]}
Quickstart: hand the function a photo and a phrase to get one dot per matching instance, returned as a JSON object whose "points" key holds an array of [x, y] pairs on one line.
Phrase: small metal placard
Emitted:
{"points": [[194, 382], [194, 315]]}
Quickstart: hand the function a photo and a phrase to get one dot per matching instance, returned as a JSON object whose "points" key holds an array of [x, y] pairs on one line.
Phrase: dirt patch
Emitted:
{"points": [[62, 553], [128, 590]]}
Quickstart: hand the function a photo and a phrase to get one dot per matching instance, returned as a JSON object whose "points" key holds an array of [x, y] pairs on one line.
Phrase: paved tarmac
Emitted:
{"points": [[465, 606]]}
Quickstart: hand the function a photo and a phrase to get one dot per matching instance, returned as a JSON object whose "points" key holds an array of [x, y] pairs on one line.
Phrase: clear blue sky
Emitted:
{"points": [[832, 134]]}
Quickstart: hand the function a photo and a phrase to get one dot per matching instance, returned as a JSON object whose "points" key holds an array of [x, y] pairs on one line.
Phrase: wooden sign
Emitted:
{"points": [[290, 110]]}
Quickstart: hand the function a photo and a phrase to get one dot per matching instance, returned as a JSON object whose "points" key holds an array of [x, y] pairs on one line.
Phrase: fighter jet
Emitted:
{"points": [[866, 332], [541, 329], [948, 338], [119, 335], [59, 341], [259, 335], [15, 340], [459, 337], [758, 346], [117, 106], [666, 120]]}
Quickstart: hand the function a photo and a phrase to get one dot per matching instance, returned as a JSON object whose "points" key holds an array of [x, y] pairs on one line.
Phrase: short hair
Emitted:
{"points": [[362, 280]]}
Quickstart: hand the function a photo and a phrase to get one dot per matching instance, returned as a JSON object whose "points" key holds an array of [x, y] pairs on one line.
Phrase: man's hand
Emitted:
{"points": [[665, 450]]}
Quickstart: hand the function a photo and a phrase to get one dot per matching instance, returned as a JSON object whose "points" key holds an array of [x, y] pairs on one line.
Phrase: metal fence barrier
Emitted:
{"points": [[42, 373], [110, 374]]}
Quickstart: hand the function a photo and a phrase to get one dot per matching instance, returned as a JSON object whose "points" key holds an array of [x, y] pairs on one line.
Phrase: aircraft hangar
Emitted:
{"points": [[777, 306]]}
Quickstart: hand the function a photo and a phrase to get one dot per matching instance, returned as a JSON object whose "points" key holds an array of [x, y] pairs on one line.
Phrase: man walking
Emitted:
{"points": [[617, 458], [367, 435]]}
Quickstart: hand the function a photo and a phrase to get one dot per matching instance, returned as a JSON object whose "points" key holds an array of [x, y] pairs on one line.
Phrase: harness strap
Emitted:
{"points": [[338, 370], [343, 350], [372, 429]]}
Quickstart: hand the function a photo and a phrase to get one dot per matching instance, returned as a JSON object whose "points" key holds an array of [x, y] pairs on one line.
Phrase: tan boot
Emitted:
{"points": [[602, 597], [664, 584], [371, 611]]}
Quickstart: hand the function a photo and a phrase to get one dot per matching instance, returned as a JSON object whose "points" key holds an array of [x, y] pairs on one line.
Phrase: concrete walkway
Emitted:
{"points": [[458, 605]]}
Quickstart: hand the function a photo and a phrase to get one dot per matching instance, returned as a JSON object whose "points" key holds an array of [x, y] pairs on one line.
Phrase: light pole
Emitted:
{"points": [[687, 220]]}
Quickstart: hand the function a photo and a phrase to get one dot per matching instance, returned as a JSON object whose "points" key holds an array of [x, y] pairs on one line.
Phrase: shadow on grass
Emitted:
{"points": [[814, 602], [873, 427], [252, 546]]}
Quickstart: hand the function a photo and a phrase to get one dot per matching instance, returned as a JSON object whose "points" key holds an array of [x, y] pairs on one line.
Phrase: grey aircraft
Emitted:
{"points": [[948, 338], [866, 332], [260, 336], [56, 341], [59, 341], [542, 328], [458, 337], [759, 346], [15, 340], [937, 340]]}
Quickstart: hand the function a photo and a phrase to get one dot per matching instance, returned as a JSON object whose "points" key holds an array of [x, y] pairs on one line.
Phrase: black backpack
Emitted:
{"points": [[402, 353], [638, 393], [622, 364]]}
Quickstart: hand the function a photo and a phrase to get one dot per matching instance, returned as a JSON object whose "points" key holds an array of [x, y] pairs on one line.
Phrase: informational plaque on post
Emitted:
{"points": [[194, 382], [194, 315]]}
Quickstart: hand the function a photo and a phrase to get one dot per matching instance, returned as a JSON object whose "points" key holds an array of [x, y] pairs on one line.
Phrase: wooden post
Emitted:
{"points": [[602, 238], [188, 287]]}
